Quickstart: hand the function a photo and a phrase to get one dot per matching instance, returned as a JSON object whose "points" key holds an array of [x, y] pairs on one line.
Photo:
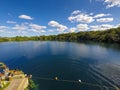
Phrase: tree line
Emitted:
{"points": [[108, 36]]}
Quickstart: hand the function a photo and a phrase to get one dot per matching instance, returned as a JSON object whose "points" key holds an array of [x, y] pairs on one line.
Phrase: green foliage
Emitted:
{"points": [[108, 36], [32, 85], [5, 86]]}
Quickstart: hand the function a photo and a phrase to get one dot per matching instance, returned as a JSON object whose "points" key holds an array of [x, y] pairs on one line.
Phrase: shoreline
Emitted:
{"points": [[13, 79]]}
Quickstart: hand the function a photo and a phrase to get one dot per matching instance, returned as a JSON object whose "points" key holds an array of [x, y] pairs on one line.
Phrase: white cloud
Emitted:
{"points": [[76, 12], [105, 20], [78, 16], [11, 22], [37, 28], [60, 27], [38, 31], [73, 29], [29, 28], [53, 24], [101, 15], [79, 27], [20, 27], [3, 27], [51, 30], [25, 17], [82, 27], [81, 17], [102, 27], [112, 3], [117, 25], [1, 31]]}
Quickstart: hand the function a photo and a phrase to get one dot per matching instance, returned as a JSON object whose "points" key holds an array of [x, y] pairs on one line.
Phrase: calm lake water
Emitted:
{"points": [[97, 65]]}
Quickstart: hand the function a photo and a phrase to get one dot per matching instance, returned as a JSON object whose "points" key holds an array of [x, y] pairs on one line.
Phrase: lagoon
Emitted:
{"points": [[96, 65]]}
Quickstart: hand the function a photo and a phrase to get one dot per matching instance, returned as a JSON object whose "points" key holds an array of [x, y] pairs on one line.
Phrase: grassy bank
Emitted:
{"points": [[5, 86], [32, 85]]}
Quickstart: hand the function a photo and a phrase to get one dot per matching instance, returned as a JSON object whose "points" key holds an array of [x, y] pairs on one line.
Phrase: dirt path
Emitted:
{"points": [[18, 84]]}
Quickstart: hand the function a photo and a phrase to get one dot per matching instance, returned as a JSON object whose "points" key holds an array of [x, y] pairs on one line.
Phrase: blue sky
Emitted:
{"points": [[46, 17]]}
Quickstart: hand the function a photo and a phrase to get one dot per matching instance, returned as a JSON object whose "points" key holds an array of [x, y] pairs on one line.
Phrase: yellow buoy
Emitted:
{"points": [[56, 78]]}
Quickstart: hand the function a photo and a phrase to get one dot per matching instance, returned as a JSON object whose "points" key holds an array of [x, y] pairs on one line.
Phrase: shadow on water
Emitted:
{"points": [[106, 45]]}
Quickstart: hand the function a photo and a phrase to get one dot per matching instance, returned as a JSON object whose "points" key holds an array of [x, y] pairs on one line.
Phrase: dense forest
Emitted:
{"points": [[108, 36]]}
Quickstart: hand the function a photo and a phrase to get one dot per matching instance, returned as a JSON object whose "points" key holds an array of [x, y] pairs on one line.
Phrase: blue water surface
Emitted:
{"points": [[97, 65]]}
